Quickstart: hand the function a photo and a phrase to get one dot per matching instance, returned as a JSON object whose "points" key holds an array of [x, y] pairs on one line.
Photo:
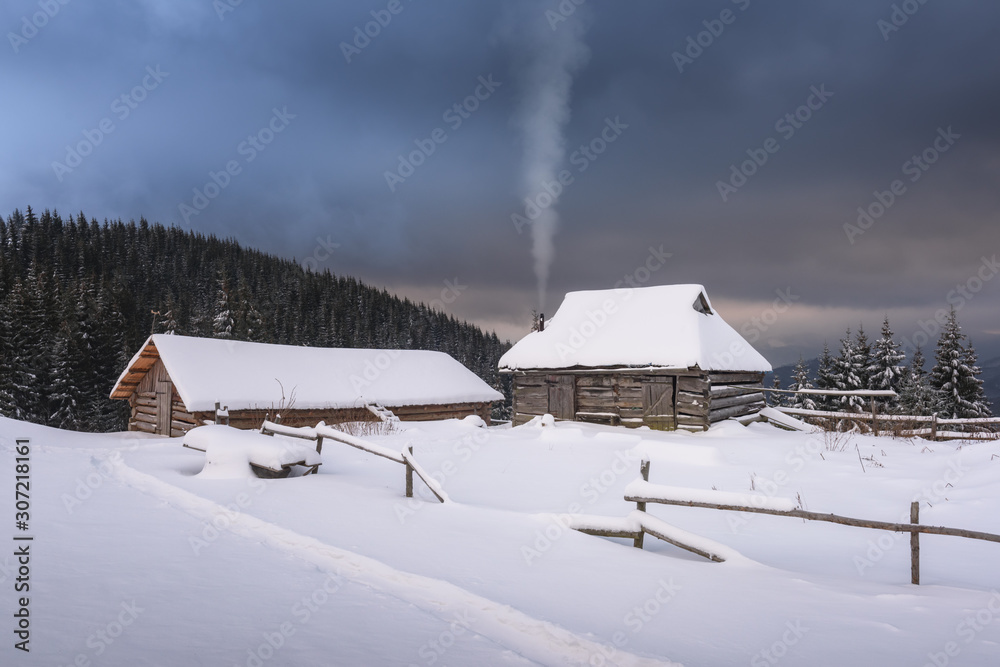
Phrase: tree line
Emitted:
{"points": [[79, 297], [952, 389]]}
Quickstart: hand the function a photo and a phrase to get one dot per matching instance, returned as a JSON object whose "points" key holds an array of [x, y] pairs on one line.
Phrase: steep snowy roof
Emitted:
{"points": [[670, 326], [256, 375]]}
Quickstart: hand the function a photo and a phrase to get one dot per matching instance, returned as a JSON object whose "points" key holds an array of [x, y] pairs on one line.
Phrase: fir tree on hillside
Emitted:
{"points": [[222, 322], [955, 375], [800, 381]]}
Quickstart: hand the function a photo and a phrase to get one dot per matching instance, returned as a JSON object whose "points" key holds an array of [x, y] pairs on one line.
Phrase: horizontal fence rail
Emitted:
{"points": [[322, 432], [641, 492]]}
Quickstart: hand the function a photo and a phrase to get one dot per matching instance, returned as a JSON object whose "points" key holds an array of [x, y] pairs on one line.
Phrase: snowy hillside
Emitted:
{"points": [[139, 560]]}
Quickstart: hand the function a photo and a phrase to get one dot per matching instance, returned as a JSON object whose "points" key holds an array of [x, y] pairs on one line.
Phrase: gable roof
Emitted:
{"points": [[245, 375], [670, 326]]}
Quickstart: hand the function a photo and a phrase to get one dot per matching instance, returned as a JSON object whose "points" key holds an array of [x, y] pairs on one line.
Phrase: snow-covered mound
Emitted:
{"points": [[230, 451]]}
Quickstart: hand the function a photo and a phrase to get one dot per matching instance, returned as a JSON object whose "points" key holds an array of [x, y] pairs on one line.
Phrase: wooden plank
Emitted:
{"points": [[146, 419], [692, 410], [693, 384], [142, 426], [595, 381], [719, 403], [691, 399], [691, 420], [725, 391], [915, 545], [735, 411], [562, 397], [725, 377], [164, 404]]}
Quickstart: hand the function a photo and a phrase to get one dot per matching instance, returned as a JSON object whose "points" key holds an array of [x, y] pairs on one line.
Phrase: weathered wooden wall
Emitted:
{"points": [[732, 395], [145, 415], [686, 399]]}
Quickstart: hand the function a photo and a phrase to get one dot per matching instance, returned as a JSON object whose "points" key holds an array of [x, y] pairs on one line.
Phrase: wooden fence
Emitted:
{"points": [[905, 426], [641, 492], [322, 432]]}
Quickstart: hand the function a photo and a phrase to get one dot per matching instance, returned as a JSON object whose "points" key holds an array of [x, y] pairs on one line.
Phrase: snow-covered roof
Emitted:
{"points": [[244, 375], [670, 326]]}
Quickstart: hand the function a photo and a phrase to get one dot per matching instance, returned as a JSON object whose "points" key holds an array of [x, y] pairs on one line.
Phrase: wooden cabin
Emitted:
{"points": [[655, 356], [173, 384]]}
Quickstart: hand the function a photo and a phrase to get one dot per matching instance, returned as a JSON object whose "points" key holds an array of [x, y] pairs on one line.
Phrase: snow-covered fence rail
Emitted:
{"points": [[989, 426], [637, 524], [321, 431], [641, 491]]}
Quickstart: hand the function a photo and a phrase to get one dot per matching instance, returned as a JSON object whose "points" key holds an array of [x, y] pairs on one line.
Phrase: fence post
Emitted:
{"points": [[874, 418], [218, 419], [915, 544], [409, 475], [934, 427], [641, 507]]}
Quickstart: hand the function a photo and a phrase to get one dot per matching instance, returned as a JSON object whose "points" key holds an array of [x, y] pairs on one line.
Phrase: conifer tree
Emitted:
{"points": [[862, 360], [916, 397], [955, 375], [826, 378], [777, 399], [800, 381], [223, 321], [846, 376], [885, 370]]}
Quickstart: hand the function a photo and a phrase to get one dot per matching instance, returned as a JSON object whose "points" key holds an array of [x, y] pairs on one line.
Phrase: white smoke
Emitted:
{"points": [[549, 53]]}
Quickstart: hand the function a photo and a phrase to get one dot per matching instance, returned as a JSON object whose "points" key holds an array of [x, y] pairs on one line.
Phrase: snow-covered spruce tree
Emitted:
{"points": [[64, 394], [800, 381], [825, 378], [862, 360], [6, 358], [776, 398], [916, 397], [955, 375], [972, 385], [223, 319], [885, 371], [845, 376]]}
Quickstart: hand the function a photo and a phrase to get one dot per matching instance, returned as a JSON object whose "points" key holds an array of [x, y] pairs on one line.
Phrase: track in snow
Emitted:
{"points": [[536, 640]]}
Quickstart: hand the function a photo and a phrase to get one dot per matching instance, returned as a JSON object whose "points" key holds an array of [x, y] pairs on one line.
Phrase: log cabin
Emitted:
{"points": [[654, 356], [173, 384]]}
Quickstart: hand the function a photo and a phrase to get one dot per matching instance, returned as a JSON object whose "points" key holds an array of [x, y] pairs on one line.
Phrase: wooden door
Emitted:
{"points": [[658, 403], [562, 396], [164, 406]]}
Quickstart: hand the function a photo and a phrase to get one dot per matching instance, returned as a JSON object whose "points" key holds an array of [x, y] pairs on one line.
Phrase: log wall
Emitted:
{"points": [[617, 396], [144, 415], [732, 395]]}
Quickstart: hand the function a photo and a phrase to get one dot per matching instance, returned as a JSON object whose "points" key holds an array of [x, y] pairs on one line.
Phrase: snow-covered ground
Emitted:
{"points": [[139, 560]]}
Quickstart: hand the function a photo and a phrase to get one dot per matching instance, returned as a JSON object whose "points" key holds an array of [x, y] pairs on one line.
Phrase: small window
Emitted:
{"points": [[701, 305]]}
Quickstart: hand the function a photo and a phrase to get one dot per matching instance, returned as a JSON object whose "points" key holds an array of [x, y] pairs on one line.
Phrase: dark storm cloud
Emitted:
{"points": [[321, 181]]}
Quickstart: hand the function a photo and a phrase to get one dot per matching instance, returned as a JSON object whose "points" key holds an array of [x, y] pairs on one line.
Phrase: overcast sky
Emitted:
{"points": [[327, 121]]}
